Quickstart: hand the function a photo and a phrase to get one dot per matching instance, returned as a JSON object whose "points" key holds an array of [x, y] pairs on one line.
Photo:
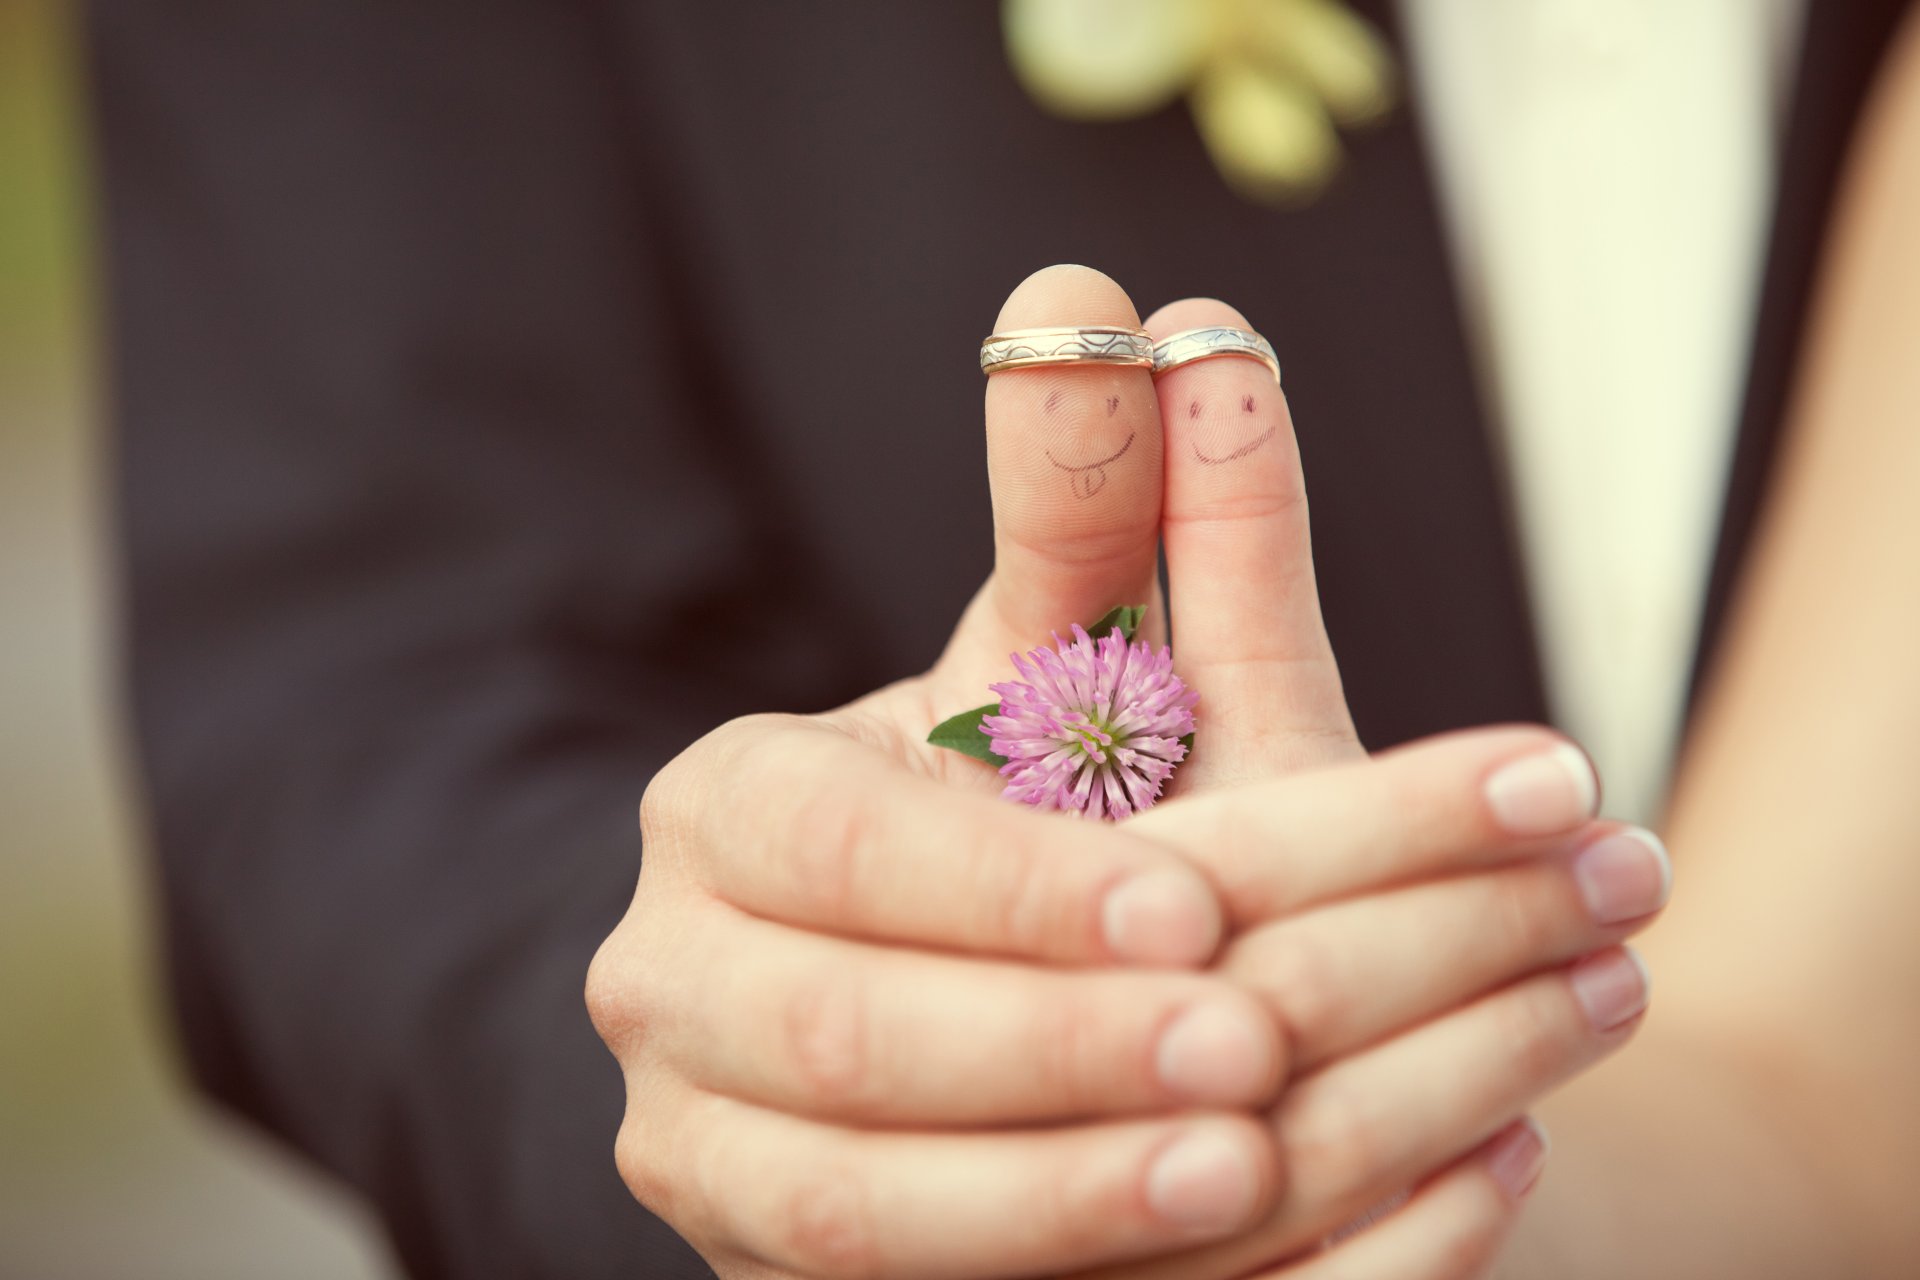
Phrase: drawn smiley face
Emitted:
{"points": [[1087, 478], [1228, 430]]}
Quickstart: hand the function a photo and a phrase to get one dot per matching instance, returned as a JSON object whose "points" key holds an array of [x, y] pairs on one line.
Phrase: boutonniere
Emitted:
{"points": [[1268, 81], [1095, 725]]}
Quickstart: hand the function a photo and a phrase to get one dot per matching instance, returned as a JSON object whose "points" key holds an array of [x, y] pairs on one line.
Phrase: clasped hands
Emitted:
{"points": [[876, 1022]]}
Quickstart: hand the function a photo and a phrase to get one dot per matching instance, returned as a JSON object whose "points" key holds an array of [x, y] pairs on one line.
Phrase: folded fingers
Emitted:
{"points": [[1373, 1124], [821, 1201], [1451, 1228], [1458, 802], [1349, 974], [845, 1031], [1386, 1117], [800, 823]]}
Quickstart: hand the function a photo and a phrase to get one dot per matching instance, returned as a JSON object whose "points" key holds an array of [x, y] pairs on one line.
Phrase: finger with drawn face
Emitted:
{"points": [[1073, 458], [1246, 611]]}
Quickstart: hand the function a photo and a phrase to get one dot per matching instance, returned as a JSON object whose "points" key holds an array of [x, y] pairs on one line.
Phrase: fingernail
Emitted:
{"points": [[1160, 917], [1611, 987], [1544, 793], [1205, 1182], [1517, 1159], [1624, 875], [1215, 1053]]}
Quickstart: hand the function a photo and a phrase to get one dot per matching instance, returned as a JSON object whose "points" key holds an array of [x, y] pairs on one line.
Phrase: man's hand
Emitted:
{"points": [[806, 1093], [835, 973], [872, 1018]]}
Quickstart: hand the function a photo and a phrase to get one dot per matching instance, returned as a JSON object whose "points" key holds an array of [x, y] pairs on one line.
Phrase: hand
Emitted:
{"points": [[849, 971], [1425, 1016], [1425, 1010], [818, 1102], [767, 1029]]}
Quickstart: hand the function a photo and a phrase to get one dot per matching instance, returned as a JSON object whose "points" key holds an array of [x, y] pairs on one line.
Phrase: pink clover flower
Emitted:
{"points": [[1093, 727]]}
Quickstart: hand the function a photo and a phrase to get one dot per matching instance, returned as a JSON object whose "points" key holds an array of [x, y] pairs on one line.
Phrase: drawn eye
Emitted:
{"points": [[1247, 404], [1193, 410], [1053, 402], [1113, 405]]}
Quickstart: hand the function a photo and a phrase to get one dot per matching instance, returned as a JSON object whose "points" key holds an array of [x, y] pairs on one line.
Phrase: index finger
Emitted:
{"points": [[810, 827], [1454, 803]]}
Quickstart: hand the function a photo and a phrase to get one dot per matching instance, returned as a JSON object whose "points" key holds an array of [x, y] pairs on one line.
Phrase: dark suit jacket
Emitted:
{"points": [[508, 393]]}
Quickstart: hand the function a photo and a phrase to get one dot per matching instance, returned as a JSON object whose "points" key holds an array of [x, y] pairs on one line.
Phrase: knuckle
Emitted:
{"points": [[629, 982], [1322, 733], [737, 741], [1069, 1041], [630, 1158], [607, 995], [1091, 547], [1538, 1035], [834, 827], [669, 803], [644, 1176], [1014, 890], [1280, 498], [764, 752], [1420, 791], [1075, 1211], [825, 1225], [1077, 1203], [655, 808], [743, 752], [827, 1045], [1301, 978], [1467, 1243], [1524, 914], [1335, 1141]]}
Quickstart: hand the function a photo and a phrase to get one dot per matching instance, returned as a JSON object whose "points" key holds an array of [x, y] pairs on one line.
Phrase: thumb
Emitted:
{"points": [[1073, 458]]}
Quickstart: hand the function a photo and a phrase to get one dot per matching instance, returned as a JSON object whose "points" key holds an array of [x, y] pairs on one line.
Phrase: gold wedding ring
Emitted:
{"points": [[1066, 344], [1204, 344]]}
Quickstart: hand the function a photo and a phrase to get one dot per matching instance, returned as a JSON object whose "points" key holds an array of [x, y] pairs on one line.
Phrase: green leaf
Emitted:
{"points": [[1124, 618], [1187, 742], [962, 733]]}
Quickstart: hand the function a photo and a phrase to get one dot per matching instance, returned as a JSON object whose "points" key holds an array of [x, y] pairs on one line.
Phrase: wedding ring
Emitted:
{"points": [[1204, 344], [1066, 344]]}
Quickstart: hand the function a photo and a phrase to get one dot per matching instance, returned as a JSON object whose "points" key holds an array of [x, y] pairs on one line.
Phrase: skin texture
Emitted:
{"points": [[1790, 968], [875, 1021]]}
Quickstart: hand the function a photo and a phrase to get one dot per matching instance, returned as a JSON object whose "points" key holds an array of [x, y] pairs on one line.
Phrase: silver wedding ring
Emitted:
{"points": [[1204, 344], [1066, 344]]}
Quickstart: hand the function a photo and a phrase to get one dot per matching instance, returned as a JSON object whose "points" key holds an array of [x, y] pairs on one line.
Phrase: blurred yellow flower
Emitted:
{"points": [[1267, 80]]}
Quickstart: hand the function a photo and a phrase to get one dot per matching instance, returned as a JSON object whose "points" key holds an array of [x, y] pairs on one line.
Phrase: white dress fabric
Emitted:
{"points": [[1606, 168]]}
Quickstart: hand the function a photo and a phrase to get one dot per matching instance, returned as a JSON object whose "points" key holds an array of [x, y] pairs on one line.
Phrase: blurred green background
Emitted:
{"points": [[108, 1167]]}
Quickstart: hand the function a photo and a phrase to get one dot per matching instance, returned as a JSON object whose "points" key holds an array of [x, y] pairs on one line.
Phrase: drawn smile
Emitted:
{"points": [[1241, 452], [1090, 478]]}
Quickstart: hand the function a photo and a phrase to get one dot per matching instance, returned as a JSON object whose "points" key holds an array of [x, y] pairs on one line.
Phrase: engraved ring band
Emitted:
{"points": [[1066, 344], [1203, 344]]}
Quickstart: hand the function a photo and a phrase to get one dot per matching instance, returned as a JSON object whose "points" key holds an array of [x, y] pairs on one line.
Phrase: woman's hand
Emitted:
{"points": [[844, 982], [1473, 997], [1426, 1017]]}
